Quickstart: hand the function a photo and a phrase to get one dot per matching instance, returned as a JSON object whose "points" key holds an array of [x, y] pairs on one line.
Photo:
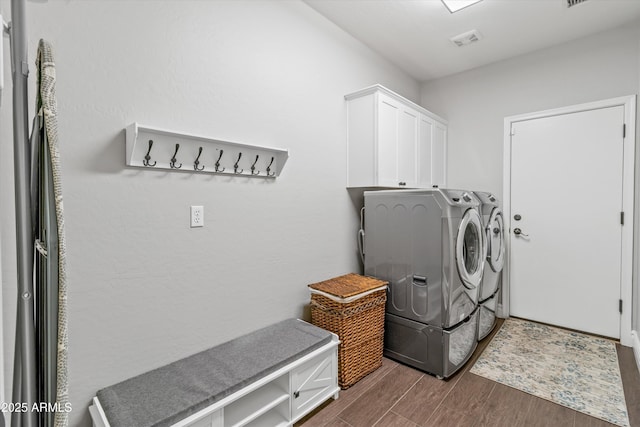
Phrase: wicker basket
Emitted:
{"points": [[352, 306], [359, 360]]}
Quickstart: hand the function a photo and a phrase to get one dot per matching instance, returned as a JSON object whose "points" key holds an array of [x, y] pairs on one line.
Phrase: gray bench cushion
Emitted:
{"points": [[171, 393]]}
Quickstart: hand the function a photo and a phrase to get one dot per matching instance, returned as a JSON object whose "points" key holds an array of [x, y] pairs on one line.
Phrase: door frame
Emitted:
{"points": [[628, 193]]}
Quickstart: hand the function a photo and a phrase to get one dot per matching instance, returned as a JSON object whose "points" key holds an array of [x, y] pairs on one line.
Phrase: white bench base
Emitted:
{"points": [[278, 399]]}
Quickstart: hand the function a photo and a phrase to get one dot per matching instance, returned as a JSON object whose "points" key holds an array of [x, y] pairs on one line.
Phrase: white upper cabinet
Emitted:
{"points": [[432, 153], [393, 142]]}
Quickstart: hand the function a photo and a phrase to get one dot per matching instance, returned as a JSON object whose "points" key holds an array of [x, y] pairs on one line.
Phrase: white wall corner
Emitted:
{"points": [[635, 343]]}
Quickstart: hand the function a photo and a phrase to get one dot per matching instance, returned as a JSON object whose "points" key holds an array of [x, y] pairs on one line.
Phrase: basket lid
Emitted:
{"points": [[348, 285]]}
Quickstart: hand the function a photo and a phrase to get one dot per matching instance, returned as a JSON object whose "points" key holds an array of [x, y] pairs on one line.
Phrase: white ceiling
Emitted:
{"points": [[414, 34]]}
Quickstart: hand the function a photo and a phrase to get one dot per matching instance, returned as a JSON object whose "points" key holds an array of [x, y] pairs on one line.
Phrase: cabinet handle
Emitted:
{"points": [[296, 394], [402, 183]]}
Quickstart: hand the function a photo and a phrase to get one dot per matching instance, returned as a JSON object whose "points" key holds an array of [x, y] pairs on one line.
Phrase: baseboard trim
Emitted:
{"points": [[635, 343]]}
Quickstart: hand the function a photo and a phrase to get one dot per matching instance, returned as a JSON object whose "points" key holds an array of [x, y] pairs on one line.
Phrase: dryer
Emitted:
{"points": [[491, 280], [428, 244]]}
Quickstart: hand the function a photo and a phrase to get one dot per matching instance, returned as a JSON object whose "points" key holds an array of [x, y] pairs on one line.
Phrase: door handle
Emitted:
{"points": [[419, 280], [519, 232]]}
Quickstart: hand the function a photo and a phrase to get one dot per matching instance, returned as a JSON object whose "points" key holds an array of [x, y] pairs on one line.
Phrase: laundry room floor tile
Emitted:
{"points": [[421, 401], [333, 408], [392, 419], [377, 400], [506, 407], [545, 413], [396, 395], [465, 402], [336, 422], [630, 382]]}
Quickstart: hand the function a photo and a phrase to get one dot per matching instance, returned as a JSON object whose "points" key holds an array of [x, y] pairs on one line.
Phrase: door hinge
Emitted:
{"points": [[513, 131], [620, 306], [621, 218], [624, 130]]}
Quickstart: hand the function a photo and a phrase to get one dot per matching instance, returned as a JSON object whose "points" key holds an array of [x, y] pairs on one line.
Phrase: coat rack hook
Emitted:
{"points": [[253, 167], [235, 166], [217, 165], [197, 161], [269, 168], [147, 157], [173, 161]]}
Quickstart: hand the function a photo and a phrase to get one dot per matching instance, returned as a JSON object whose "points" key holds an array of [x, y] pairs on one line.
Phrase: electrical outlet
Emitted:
{"points": [[197, 216]]}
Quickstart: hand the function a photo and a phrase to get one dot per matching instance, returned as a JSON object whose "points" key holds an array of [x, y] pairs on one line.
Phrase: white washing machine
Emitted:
{"points": [[492, 277], [429, 246]]}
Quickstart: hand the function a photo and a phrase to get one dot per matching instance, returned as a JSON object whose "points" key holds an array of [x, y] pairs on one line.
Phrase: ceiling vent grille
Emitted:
{"points": [[571, 3], [466, 38]]}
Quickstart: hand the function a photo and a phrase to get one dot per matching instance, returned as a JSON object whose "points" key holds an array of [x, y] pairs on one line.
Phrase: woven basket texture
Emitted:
{"points": [[353, 322], [356, 362], [359, 324], [348, 285]]}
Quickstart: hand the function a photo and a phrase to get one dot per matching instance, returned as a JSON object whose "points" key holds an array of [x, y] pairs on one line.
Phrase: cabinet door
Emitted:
{"points": [[425, 156], [387, 142], [397, 143], [361, 137], [313, 382], [439, 153], [407, 147], [432, 153]]}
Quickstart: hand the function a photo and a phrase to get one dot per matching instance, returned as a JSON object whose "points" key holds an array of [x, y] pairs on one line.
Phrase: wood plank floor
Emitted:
{"points": [[396, 395]]}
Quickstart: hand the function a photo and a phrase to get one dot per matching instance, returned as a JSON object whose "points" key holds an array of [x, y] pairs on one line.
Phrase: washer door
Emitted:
{"points": [[495, 237], [470, 252]]}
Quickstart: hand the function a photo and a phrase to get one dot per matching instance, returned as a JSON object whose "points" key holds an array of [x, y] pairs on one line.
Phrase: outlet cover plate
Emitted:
{"points": [[197, 216]]}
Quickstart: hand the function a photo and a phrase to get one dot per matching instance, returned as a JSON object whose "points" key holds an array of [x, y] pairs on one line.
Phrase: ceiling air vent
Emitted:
{"points": [[571, 3], [466, 38]]}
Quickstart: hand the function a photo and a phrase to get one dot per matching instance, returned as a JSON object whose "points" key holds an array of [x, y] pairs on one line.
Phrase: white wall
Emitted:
{"points": [[145, 289], [476, 102], [636, 270]]}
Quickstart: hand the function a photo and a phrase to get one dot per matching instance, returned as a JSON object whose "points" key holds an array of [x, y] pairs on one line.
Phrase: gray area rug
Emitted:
{"points": [[571, 369]]}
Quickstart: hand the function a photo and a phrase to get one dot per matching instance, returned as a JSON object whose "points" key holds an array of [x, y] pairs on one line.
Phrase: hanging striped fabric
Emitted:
{"points": [[48, 111]]}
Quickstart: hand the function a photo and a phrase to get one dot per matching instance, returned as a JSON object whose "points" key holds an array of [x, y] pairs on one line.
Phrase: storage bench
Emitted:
{"points": [[270, 377]]}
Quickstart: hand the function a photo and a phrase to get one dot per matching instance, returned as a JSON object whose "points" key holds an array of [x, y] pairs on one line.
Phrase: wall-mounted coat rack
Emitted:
{"points": [[153, 148]]}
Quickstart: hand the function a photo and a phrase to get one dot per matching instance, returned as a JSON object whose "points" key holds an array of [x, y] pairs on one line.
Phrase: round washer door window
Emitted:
{"points": [[469, 249], [495, 230]]}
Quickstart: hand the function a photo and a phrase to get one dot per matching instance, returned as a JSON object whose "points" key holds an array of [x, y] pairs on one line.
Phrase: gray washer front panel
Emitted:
{"points": [[490, 277], [409, 241]]}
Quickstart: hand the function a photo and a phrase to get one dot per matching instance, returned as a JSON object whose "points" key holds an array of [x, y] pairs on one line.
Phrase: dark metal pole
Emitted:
{"points": [[25, 379]]}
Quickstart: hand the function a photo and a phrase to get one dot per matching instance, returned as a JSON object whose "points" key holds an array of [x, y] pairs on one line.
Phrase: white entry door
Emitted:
{"points": [[566, 236]]}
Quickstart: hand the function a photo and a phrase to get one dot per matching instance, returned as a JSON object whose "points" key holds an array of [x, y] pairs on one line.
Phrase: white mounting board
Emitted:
{"points": [[164, 147], [4, 30]]}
